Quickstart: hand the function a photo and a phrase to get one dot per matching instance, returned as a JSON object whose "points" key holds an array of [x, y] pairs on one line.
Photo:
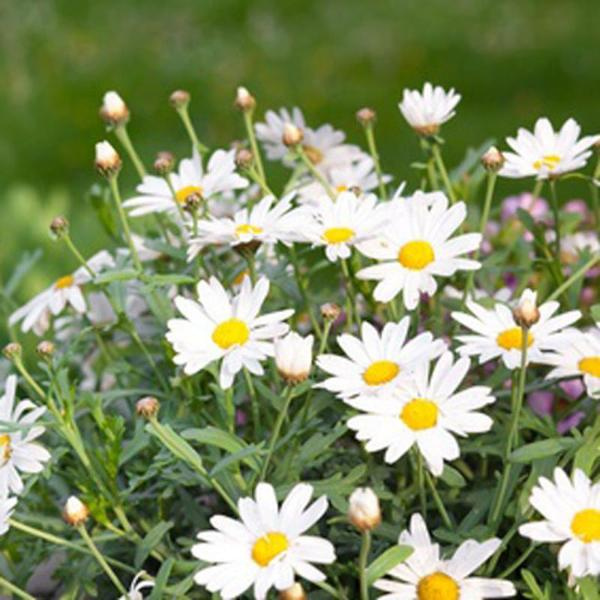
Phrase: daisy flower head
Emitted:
{"points": [[338, 225], [424, 410], [571, 511], [268, 222], [497, 334], [547, 153], [426, 111], [416, 246], [191, 179], [580, 357], [17, 433], [136, 587], [426, 576], [7, 506], [377, 361], [220, 327], [65, 291], [266, 548]]}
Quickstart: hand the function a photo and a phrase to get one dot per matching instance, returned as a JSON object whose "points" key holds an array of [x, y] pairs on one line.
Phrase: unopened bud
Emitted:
{"points": [[244, 158], [355, 189], [292, 135], [12, 350], [114, 111], [75, 512], [147, 407], [164, 162], [596, 146], [244, 100], [192, 202], [45, 349], [527, 313], [330, 311], [364, 512], [366, 116], [296, 592], [108, 161], [493, 160], [293, 357], [59, 226], [179, 99]]}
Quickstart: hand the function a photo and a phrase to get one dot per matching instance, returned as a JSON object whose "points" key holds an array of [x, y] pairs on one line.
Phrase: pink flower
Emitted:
{"points": [[572, 387], [541, 402]]}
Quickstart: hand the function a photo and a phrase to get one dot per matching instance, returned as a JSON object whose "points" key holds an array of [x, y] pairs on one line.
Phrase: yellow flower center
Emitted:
{"points": [[232, 332], [341, 188], [512, 339], [438, 586], [184, 193], [416, 255], [419, 414], [246, 228], [5, 449], [590, 365], [549, 161], [380, 372], [64, 282], [269, 546], [586, 525], [338, 235], [314, 154]]}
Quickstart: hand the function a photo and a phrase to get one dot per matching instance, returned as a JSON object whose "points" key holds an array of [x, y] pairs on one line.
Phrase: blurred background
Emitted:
{"points": [[512, 62]]}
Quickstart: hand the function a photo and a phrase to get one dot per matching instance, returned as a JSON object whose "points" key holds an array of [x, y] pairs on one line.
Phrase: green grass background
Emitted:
{"points": [[511, 60]]}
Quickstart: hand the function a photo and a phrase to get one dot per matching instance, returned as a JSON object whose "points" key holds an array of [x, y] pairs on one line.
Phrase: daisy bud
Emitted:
{"points": [[244, 100], [179, 99], [296, 592], [293, 357], [244, 158], [330, 311], [114, 111], [493, 160], [108, 161], [364, 512], [147, 407], [366, 116], [292, 135], [596, 146], [192, 202], [12, 350], [75, 512], [164, 162], [59, 226], [45, 349], [526, 313]]}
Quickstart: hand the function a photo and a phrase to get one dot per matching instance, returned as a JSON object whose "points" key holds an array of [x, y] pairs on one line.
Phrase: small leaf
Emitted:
{"points": [[119, 275], [386, 561], [162, 579], [452, 477], [150, 541], [541, 449]]}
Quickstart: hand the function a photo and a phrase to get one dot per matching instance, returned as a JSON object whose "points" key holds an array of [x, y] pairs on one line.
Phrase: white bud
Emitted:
{"points": [[114, 111], [75, 511], [296, 592], [292, 135], [108, 161], [364, 512], [527, 313], [244, 100], [493, 159], [293, 357]]}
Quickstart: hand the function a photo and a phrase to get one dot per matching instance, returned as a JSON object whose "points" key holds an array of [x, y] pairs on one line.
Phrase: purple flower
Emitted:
{"points": [[541, 402], [572, 388], [536, 207], [570, 422]]}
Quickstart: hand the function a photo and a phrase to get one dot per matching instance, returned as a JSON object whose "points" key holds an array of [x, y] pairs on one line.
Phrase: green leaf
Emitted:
{"points": [[386, 561], [232, 459], [452, 477], [533, 585], [162, 579], [541, 449], [173, 279], [177, 445], [150, 541], [595, 311], [119, 275]]}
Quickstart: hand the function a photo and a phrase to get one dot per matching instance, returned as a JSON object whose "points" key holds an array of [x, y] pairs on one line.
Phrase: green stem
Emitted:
{"points": [[304, 293], [514, 426], [184, 115], [230, 409], [114, 188], [253, 402], [123, 137], [28, 378], [276, 431], [596, 195], [101, 560], [577, 275], [420, 482], [257, 178], [362, 564], [138, 340], [437, 155], [326, 331], [78, 254], [556, 217], [438, 501], [17, 591], [351, 295], [370, 134], [315, 172], [248, 114]]}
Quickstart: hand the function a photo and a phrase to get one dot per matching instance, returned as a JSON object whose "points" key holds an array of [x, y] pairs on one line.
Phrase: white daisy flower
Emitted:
{"points": [[424, 410], [268, 222], [426, 111], [7, 506], [376, 362], [416, 246], [354, 176], [545, 153], [265, 548], [497, 334], [225, 328], [571, 511], [155, 194], [580, 357], [65, 291], [324, 146], [17, 452], [136, 587], [338, 225], [426, 576]]}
